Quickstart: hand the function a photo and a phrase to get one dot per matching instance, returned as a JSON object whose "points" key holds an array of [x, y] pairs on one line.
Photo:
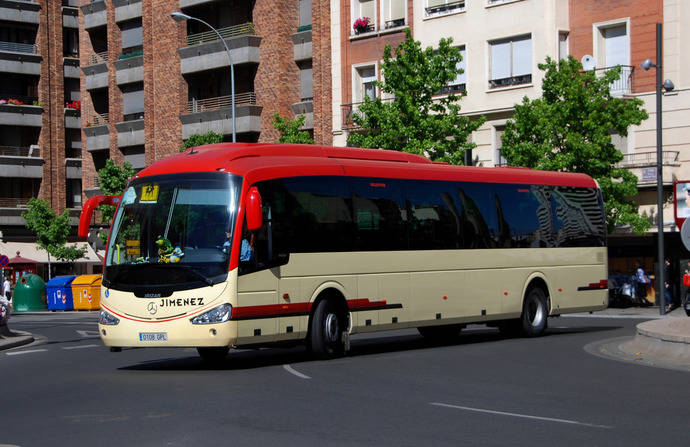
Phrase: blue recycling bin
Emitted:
{"points": [[59, 293]]}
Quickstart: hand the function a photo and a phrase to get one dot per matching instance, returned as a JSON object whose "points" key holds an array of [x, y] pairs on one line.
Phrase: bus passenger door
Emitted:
{"points": [[257, 298]]}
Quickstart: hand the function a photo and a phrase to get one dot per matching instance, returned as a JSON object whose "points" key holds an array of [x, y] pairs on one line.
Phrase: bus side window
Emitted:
{"points": [[379, 214]]}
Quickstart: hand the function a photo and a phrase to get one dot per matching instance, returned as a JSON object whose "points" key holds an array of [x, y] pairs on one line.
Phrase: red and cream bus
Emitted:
{"points": [[235, 245]]}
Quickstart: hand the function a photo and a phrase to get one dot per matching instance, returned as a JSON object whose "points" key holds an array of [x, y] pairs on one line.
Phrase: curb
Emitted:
{"points": [[675, 330], [20, 338]]}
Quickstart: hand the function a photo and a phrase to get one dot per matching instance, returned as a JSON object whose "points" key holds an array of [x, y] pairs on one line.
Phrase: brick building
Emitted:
{"points": [[40, 147], [149, 82]]}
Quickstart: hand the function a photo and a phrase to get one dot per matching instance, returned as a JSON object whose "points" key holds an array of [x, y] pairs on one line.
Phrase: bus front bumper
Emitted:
{"points": [[180, 333]]}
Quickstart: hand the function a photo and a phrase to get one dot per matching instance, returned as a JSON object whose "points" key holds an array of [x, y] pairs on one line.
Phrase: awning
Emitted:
{"points": [[31, 251]]}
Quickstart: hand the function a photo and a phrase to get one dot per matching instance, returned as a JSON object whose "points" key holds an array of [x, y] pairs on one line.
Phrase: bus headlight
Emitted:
{"points": [[219, 314], [107, 319]]}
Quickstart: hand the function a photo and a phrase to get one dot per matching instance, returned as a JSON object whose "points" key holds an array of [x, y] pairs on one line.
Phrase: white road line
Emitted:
{"points": [[517, 415], [80, 347], [289, 369], [26, 352]]}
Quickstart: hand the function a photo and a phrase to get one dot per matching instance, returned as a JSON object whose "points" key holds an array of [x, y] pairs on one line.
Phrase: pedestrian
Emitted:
{"points": [[668, 286], [642, 281], [6, 290]]}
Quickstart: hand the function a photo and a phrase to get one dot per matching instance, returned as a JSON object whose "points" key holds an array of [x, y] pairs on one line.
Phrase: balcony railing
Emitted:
{"points": [[14, 202], [16, 151], [19, 47], [513, 80], [244, 29], [349, 110], [97, 119], [220, 102], [98, 58], [645, 159], [624, 84], [446, 8], [25, 100]]}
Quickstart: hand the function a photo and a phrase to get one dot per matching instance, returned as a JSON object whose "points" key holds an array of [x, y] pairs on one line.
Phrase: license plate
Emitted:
{"points": [[153, 336]]}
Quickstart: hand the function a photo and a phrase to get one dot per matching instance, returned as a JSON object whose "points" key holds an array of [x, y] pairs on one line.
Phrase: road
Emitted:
{"points": [[393, 388]]}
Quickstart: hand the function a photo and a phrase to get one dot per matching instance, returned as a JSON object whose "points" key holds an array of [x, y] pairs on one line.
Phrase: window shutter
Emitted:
{"points": [[306, 82], [500, 60], [304, 12], [434, 3], [367, 8], [522, 57], [397, 9], [131, 35], [133, 102], [616, 46]]}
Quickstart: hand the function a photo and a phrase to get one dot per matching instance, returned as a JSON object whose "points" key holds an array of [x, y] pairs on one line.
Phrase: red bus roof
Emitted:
{"points": [[257, 162]]}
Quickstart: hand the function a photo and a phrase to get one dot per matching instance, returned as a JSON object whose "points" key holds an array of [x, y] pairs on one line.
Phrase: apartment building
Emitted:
{"points": [[360, 30], [149, 82], [40, 136]]}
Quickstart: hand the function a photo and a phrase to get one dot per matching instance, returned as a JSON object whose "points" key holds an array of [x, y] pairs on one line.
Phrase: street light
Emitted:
{"points": [[668, 86], [180, 17]]}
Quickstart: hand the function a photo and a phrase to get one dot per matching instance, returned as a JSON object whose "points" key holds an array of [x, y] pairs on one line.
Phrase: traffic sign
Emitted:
{"points": [[4, 260], [685, 234]]}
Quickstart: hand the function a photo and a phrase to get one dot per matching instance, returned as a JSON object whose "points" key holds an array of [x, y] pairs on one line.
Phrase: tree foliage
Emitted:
{"points": [[196, 139], [417, 119], [290, 130], [112, 180], [51, 231], [569, 129]]}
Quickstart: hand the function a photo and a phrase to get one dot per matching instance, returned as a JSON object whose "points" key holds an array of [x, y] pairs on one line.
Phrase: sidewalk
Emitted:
{"points": [[11, 339]]}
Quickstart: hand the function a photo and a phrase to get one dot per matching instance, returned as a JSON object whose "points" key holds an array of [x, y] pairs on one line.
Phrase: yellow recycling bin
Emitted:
{"points": [[86, 292]]}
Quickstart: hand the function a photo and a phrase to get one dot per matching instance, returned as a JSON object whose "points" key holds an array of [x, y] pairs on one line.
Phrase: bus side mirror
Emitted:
{"points": [[253, 209], [88, 209]]}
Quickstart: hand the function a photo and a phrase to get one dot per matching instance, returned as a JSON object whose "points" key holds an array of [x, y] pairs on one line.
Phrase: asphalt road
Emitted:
{"points": [[393, 388]]}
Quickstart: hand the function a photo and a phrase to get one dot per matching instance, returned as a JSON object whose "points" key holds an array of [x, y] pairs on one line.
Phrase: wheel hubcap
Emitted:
{"points": [[332, 328], [536, 313]]}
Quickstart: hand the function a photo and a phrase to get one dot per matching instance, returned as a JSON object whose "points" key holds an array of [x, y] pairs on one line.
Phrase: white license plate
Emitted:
{"points": [[153, 336]]}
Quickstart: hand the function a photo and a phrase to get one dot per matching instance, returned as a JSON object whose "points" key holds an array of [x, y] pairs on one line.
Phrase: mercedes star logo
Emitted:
{"points": [[152, 308]]}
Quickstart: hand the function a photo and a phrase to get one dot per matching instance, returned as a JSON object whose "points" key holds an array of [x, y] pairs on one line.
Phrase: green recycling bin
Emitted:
{"points": [[29, 294]]}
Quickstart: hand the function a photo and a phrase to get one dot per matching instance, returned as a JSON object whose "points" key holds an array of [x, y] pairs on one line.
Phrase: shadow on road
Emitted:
{"points": [[265, 357]]}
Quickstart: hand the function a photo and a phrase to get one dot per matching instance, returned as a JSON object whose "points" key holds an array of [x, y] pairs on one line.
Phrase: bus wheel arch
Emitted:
{"points": [[329, 323]]}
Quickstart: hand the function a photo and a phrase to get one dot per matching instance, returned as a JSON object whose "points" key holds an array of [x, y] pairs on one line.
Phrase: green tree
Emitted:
{"points": [[569, 129], [51, 231], [196, 139], [417, 119], [112, 180], [290, 130]]}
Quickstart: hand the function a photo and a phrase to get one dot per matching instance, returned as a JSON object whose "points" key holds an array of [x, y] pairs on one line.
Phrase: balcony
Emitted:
{"points": [[21, 115], [643, 165], [622, 86], [95, 14], [97, 71], [73, 168], [204, 51], [72, 118], [19, 11], [130, 133], [20, 58], [127, 10], [215, 114], [21, 162], [70, 67], [97, 132], [70, 17], [349, 110], [302, 46], [129, 70], [305, 108], [443, 9]]}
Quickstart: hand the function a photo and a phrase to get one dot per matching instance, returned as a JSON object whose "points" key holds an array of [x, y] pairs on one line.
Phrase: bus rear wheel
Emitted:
{"points": [[213, 354], [535, 313], [326, 331]]}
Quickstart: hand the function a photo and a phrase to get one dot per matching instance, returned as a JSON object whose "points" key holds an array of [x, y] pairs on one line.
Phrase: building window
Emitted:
{"points": [[460, 82], [304, 15], [434, 8], [133, 101], [365, 83], [612, 49], [511, 62], [132, 38], [362, 9], [563, 50], [393, 13], [499, 159], [306, 84]]}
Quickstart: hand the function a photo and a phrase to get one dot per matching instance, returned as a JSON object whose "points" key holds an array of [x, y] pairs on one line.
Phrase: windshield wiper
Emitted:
{"points": [[198, 274]]}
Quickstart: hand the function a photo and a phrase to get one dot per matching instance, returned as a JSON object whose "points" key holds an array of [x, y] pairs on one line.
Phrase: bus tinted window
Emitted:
{"points": [[434, 216], [578, 220], [379, 214], [524, 216], [479, 214]]}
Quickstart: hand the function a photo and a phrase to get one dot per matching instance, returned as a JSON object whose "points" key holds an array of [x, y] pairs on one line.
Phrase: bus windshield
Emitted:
{"points": [[173, 231]]}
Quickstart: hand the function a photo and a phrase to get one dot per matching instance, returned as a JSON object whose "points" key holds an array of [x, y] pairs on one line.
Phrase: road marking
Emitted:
{"points": [[88, 334], [289, 369], [80, 347], [518, 415], [26, 352]]}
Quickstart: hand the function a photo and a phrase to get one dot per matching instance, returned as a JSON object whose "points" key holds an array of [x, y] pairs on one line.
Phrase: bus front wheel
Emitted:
{"points": [[326, 331], [535, 313]]}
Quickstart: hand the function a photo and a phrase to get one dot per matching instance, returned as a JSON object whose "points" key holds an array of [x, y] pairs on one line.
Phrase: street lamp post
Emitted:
{"points": [[668, 86], [180, 17]]}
